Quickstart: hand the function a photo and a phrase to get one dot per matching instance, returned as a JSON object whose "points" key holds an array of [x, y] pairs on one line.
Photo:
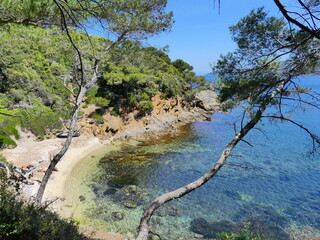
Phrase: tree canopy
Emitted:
{"points": [[268, 51]]}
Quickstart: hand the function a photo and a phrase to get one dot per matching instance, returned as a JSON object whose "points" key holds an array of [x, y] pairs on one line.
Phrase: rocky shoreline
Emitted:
{"points": [[166, 117]]}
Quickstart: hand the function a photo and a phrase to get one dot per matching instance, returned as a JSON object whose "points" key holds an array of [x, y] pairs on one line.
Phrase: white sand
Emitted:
{"points": [[38, 153]]}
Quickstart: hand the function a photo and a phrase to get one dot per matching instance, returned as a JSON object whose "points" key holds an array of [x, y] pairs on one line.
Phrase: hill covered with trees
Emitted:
{"points": [[36, 66]]}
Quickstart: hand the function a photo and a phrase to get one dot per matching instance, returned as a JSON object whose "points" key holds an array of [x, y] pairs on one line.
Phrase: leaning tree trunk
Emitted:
{"points": [[65, 146], [143, 228]]}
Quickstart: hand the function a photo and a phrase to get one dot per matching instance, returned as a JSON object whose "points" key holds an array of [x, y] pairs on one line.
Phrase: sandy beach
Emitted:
{"points": [[167, 117], [36, 153], [30, 151]]}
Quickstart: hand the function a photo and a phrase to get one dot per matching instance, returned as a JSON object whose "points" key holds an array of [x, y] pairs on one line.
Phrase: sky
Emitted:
{"points": [[200, 33]]}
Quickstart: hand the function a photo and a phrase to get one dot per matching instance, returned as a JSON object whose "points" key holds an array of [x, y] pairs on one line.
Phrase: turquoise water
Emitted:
{"points": [[279, 198]]}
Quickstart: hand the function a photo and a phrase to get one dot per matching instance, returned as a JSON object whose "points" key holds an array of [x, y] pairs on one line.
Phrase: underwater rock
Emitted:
{"points": [[169, 211], [161, 213], [210, 230], [173, 211], [123, 180], [261, 227], [198, 236], [131, 188], [109, 191], [117, 216], [255, 211], [130, 204], [233, 195], [262, 221], [82, 198]]}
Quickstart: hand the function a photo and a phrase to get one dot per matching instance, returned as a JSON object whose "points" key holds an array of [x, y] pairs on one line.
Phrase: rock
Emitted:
{"points": [[173, 211], [207, 100], [131, 188], [196, 235], [82, 198], [130, 204], [233, 195], [161, 213], [117, 216], [109, 192], [210, 230]]}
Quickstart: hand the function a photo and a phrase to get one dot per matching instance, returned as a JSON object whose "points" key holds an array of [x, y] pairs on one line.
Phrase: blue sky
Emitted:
{"points": [[200, 34]]}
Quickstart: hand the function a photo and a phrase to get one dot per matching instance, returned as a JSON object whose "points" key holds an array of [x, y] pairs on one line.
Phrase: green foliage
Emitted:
{"points": [[100, 101], [28, 11], [115, 111], [20, 220], [98, 116], [34, 61], [3, 159], [257, 32], [182, 66], [42, 123], [252, 71], [139, 19], [133, 75], [36, 67], [245, 234], [8, 128], [146, 105], [6, 141]]}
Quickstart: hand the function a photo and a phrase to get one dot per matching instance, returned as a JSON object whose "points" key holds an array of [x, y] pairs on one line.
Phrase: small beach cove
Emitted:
{"points": [[281, 195], [84, 189], [104, 185], [168, 117], [278, 195]]}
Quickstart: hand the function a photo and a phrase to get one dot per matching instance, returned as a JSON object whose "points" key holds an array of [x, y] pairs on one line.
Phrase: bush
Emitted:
{"points": [[41, 123], [146, 105], [20, 220], [6, 142]]}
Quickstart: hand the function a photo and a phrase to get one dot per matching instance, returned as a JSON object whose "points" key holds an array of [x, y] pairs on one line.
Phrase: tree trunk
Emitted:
{"points": [[65, 146], [143, 228]]}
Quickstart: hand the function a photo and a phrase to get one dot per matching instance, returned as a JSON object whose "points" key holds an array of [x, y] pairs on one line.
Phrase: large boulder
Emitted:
{"points": [[207, 100]]}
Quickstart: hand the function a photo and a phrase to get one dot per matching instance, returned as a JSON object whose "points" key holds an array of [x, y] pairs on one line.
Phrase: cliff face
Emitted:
{"points": [[166, 116]]}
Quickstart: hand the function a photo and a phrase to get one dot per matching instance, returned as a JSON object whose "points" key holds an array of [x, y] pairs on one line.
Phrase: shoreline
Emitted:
{"points": [[168, 118]]}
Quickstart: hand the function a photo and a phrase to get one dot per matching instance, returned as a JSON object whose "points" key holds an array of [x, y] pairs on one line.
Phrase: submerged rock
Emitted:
{"points": [[82, 198], [117, 216], [210, 230], [131, 189], [130, 204], [173, 211], [262, 221], [233, 195], [109, 192]]}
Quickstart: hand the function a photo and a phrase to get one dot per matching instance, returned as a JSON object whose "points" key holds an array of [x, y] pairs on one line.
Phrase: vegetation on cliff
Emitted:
{"points": [[36, 64]]}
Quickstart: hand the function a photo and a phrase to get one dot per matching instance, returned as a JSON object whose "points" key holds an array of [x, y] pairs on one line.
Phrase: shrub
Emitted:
{"points": [[20, 220]]}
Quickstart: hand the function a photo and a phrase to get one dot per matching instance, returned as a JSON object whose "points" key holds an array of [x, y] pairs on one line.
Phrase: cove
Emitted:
{"points": [[281, 196]]}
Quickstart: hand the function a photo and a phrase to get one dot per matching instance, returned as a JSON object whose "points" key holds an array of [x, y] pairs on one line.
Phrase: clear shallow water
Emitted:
{"points": [[281, 196]]}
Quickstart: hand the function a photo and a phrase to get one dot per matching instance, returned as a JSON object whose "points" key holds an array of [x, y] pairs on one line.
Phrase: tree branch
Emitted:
{"points": [[143, 228], [314, 137], [284, 12], [237, 165]]}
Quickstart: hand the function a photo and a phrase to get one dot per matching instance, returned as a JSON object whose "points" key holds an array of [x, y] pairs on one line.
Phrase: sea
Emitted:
{"points": [[270, 189]]}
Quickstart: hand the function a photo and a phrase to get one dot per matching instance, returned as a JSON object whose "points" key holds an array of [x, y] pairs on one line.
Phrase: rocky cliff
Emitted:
{"points": [[166, 117]]}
